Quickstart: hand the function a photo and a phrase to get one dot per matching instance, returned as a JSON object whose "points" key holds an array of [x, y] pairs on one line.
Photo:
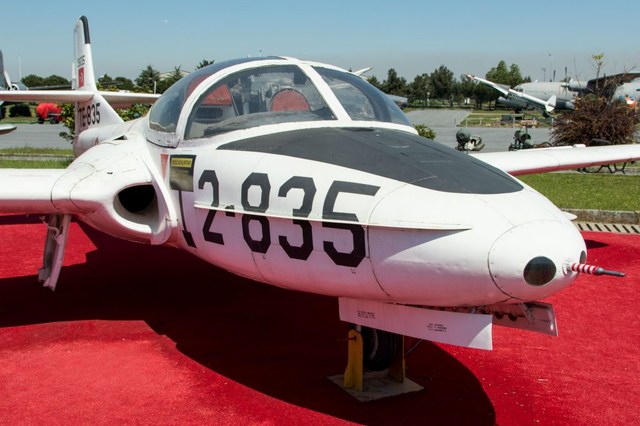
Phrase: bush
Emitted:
{"points": [[596, 118], [20, 110], [425, 131]]}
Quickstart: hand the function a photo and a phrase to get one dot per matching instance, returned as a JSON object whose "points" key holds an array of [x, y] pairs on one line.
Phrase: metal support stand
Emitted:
{"points": [[369, 386]]}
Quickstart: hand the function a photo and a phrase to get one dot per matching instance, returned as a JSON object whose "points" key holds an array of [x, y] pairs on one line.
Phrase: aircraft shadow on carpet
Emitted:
{"points": [[237, 328]]}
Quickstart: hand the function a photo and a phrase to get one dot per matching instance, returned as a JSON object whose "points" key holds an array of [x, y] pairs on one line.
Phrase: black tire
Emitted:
{"points": [[379, 348]]}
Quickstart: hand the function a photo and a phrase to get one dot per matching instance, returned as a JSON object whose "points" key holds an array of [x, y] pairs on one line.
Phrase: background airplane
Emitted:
{"points": [[5, 80], [549, 96], [304, 176], [624, 87], [518, 99], [565, 93], [7, 84]]}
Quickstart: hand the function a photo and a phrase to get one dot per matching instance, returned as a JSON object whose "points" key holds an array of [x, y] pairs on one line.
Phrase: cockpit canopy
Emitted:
{"points": [[245, 93]]}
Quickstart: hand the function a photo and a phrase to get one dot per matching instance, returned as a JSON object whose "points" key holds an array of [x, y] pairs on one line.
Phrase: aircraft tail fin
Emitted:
{"points": [[95, 111], [550, 105], [83, 75], [3, 77], [5, 81]]}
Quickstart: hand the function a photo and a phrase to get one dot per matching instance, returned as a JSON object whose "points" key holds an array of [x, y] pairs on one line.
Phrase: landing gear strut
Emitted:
{"points": [[56, 240], [380, 349]]}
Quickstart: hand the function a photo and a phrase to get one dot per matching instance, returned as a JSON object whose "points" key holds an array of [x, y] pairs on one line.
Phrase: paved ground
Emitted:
{"points": [[495, 138], [444, 122], [437, 117], [35, 135]]}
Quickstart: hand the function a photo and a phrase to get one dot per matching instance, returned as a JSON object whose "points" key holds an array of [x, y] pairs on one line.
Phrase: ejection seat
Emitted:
{"points": [[289, 100]]}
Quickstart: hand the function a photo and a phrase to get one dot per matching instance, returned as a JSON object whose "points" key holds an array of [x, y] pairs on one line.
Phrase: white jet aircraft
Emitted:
{"points": [[519, 99], [303, 176]]}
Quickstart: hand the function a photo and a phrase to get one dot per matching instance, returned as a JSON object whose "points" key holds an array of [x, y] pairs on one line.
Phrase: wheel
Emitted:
{"points": [[379, 348]]}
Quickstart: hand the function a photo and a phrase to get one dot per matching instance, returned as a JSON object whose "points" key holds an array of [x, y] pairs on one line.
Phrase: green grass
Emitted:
{"points": [[23, 164], [41, 154], [588, 191], [19, 120], [493, 118], [36, 151]]}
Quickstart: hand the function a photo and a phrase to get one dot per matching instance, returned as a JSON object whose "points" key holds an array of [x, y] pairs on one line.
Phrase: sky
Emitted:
{"points": [[412, 36]]}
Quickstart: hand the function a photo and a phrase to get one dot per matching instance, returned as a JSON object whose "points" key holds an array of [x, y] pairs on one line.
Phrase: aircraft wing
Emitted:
{"points": [[6, 128], [28, 190], [616, 79], [542, 160], [118, 99]]}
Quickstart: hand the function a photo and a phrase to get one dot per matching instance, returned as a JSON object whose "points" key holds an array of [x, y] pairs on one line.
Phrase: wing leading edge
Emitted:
{"points": [[117, 99], [28, 190], [542, 160]]}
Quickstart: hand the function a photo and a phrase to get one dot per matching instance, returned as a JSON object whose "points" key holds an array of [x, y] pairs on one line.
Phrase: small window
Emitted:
{"points": [[256, 97]]}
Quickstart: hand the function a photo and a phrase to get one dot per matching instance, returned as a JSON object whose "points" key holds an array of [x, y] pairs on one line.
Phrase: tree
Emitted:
{"points": [[56, 81], [168, 81], [604, 86], [106, 83], [498, 74], [148, 79], [114, 84], [33, 81], [483, 94], [420, 88], [442, 83], [374, 82], [502, 75], [598, 63], [478, 92], [466, 88], [125, 83], [203, 63], [596, 118], [515, 76], [53, 81], [394, 85]]}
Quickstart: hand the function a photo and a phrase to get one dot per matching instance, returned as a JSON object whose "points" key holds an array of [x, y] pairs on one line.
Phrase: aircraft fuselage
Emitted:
{"points": [[391, 218]]}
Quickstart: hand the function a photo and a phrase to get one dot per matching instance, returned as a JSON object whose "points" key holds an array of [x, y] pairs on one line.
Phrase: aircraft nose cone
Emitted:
{"points": [[528, 261]]}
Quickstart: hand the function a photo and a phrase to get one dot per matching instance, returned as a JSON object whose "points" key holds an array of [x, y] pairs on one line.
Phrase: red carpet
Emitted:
{"points": [[150, 335]]}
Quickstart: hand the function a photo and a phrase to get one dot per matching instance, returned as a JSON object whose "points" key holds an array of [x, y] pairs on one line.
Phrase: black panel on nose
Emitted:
{"points": [[539, 271]]}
